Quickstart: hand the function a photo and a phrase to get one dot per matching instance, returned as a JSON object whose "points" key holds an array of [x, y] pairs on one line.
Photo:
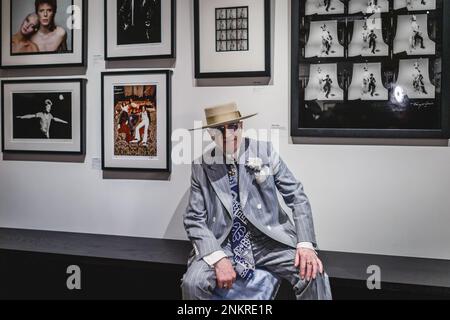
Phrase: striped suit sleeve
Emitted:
{"points": [[295, 198], [198, 232]]}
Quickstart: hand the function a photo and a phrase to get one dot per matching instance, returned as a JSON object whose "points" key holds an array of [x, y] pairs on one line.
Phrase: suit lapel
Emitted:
{"points": [[245, 177], [218, 176]]}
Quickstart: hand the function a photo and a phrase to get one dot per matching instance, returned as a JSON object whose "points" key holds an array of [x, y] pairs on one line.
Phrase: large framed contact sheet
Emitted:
{"points": [[369, 68]]}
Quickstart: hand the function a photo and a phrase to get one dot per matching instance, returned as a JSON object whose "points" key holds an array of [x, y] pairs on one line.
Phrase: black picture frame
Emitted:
{"points": [[170, 56], [82, 115], [266, 73], [297, 130], [168, 145], [84, 44]]}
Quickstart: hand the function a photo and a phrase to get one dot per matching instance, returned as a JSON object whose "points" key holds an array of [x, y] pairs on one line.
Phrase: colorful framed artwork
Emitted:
{"points": [[136, 120]]}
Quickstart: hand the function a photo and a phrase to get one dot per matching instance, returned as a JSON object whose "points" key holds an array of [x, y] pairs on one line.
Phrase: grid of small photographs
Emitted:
{"points": [[370, 64], [232, 29]]}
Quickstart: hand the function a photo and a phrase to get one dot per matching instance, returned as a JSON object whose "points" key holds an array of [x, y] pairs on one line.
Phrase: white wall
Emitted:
{"points": [[372, 199]]}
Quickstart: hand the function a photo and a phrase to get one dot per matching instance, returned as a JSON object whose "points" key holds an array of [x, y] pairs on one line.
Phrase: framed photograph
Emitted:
{"points": [[140, 29], [232, 38], [136, 120], [44, 116], [370, 69], [43, 33]]}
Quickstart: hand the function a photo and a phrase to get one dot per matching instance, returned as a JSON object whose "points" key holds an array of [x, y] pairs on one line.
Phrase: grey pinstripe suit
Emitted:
{"points": [[208, 218]]}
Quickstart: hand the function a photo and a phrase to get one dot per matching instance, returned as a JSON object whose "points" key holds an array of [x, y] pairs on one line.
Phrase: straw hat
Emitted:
{"points": [[223, 114]]}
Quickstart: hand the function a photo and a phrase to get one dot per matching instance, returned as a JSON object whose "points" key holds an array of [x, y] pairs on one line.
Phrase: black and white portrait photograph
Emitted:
{"points": [[43, 33], [366, 83], [323, 7], [368, 6], [323, 83], [414, 80], [139, 29], [415, 5], [139, 21], [412, 36], [323, 40], [44, 115], [367, 39]]}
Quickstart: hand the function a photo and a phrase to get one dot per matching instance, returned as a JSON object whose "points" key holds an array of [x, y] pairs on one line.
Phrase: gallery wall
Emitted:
{"points": [[371, 199]]}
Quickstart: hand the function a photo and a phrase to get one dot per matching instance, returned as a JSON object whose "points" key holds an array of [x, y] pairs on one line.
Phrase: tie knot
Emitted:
{"points": [[232, 169]]}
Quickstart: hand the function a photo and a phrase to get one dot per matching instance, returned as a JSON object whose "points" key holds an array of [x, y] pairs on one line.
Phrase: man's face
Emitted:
{"points": [[228, 138], [48, 108], [29, 25], [46, 14]]}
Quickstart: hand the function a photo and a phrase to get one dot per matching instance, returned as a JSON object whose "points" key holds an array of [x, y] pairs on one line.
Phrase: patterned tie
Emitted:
{"points": [[240, 234]]}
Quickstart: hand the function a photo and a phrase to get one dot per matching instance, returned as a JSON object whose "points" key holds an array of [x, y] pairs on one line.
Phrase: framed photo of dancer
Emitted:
{"points": [[136, 120], [232, 38], [140, 29], [370, 69], [44, 116], [43, 33]]}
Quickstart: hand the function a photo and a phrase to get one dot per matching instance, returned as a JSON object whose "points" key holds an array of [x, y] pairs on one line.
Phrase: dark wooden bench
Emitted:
{"points": [[33, 265]]}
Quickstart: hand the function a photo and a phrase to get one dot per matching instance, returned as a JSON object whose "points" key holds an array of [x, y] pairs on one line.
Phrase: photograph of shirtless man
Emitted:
{"points": [[39, 31], [42, 116]]}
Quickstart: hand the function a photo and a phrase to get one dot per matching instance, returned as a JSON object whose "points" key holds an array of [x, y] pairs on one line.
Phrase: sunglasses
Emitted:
{"points": [[232, 128]]}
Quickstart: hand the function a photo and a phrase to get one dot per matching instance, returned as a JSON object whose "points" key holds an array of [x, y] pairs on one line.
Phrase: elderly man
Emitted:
{"points": [[234, 220]]}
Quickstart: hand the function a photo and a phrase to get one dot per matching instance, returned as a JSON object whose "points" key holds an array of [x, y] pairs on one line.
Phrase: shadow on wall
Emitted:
{"points": [[175, 228]]}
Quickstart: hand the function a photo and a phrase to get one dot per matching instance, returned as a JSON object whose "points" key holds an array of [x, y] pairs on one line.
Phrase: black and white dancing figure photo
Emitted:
{"points": [[415, 5], [368, 6], [138, 22], [414, 80], [367, 39], [45, 119], [323, 40], [43, 116], [235, 223], [366, 83], [323, 84], [412, 36], [323, 7]]}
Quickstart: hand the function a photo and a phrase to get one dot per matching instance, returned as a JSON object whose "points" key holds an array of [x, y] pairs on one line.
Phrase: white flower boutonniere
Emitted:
{"points": [[261, 171], [254, 164]]}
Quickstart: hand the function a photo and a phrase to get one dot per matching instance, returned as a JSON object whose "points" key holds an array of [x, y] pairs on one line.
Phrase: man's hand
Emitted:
{"points": [[225, 273], [309, 263]]}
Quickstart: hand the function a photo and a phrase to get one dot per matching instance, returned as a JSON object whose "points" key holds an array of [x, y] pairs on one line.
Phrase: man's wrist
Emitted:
{"points": [[214, 257], [306, 245]]}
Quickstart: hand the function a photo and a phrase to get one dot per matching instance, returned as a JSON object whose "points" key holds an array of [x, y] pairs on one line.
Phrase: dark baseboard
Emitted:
{"points": [[33, 265]]}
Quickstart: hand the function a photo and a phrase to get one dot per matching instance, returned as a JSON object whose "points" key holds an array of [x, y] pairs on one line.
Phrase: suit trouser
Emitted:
{"points": [[199, 281]]}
